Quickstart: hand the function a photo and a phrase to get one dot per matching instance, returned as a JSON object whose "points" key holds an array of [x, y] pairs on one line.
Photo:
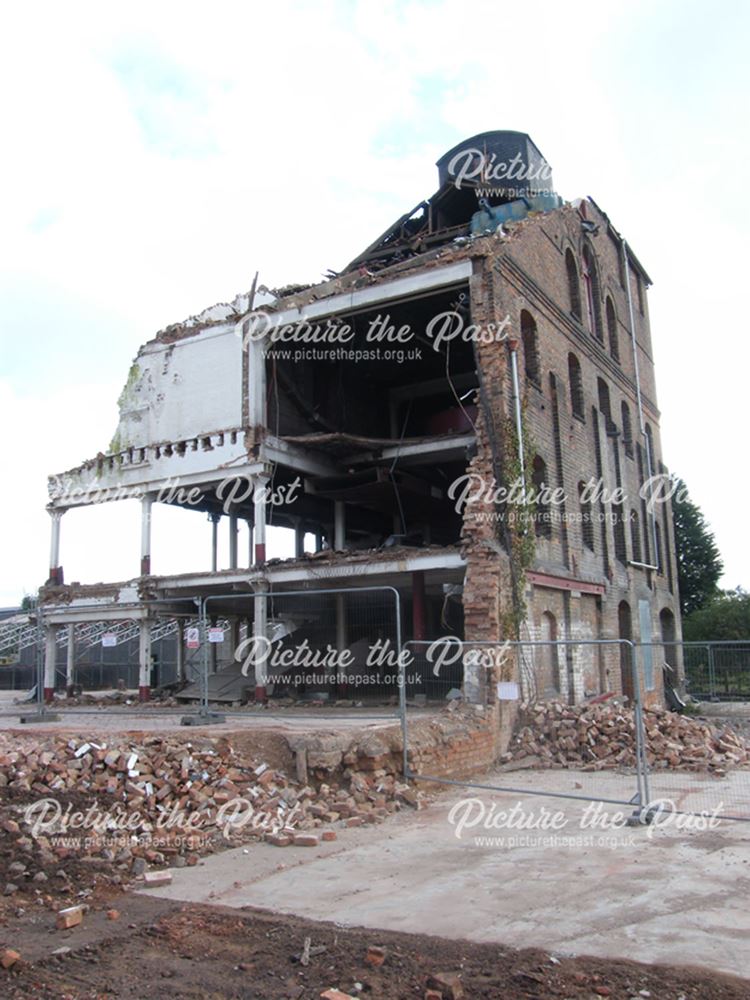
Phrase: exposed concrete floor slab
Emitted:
{"points": [[675, 896], [122, 719]]}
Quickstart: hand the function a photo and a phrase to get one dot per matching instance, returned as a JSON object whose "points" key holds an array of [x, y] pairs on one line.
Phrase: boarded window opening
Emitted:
{"points": [[530, 341], [576, 387], [614, 344], [591, 290], [627, 430], [587, 523], [542, 515], [574, 290]]}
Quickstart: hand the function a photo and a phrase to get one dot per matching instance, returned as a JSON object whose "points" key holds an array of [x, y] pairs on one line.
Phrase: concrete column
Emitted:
{"points": [[214, 519], [146, 504], [50, 661], [250, 551], [233, 530], [234, 635], [339, 525], [342, 639], [180, 649], [259, 499], [213, 647], [55, 569], [299, 539], [70, 664], [144, 661], [418, 610], [260, 628]]}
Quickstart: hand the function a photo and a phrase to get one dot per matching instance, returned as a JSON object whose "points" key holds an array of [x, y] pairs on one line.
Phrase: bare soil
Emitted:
{"points": [[159, 949]]}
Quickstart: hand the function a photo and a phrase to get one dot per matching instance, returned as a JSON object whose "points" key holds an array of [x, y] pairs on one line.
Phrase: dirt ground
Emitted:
{"points": [[161, 950]]}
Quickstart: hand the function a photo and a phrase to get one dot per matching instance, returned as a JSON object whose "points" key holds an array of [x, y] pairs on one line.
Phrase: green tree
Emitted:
{"points": [[699, 564], [726, 617]]}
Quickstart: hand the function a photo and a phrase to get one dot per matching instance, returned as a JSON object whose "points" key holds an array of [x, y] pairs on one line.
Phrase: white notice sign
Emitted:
{"points": [[507, 691]]}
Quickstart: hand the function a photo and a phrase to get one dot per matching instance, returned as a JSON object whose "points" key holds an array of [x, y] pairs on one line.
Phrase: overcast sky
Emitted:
{"points": [[156, 155]]}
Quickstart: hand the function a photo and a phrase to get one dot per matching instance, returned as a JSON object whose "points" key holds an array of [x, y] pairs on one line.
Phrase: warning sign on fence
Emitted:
{"points": [[508, 691], [109, 639], [193, 638], [216, 635]]}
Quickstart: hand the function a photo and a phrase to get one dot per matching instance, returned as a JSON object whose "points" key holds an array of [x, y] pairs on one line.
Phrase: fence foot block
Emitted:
{"points": [[207, 719], [34, 717]]}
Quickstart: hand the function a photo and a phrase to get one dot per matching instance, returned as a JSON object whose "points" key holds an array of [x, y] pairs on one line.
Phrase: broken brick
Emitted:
{"points": [[71, 916], [152, 879], [9, 957], [278, 839], [375, 955], [448, 984], [306, 840]]}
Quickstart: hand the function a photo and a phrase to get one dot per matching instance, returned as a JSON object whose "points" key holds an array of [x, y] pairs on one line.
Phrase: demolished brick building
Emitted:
{"points": [[494, 338]]}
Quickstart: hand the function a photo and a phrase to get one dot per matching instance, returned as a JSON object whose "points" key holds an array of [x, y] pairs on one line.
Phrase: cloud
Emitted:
{"points": [[157, 158]]}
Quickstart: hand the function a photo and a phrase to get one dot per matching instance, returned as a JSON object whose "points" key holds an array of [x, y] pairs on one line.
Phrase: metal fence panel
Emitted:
{"points": [[481, 672]]}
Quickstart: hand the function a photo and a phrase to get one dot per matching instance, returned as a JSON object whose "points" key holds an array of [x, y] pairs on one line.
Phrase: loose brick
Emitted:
{"points": [[448, 984], [375, 955], [306, 840], [152, 879], [71, 916], [278, 839], [9, 957]]}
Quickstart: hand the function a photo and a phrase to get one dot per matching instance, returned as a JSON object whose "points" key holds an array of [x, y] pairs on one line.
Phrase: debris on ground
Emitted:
{"points": [[596, 737], [127, 805]]}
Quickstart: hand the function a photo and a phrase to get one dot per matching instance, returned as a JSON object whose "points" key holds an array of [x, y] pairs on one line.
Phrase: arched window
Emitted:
{"points": [[542, 515], [587, 524], [618, 528], [530, 348], [659, 556], [625, 631], [650, 447], [668, 634], [591, 291], [614, 344], [627, 429], [576, 387], [604, 402], [574, 290], [635, 536], [548, 678]]}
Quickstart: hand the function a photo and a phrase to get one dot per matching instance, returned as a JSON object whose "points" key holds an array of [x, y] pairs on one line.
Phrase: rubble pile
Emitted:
{"points": [[599, 736], [162, 801]]}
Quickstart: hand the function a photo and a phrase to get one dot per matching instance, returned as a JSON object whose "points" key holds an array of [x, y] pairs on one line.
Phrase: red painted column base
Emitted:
{"points": [[260, 694], [49, 695], [144, 693]]}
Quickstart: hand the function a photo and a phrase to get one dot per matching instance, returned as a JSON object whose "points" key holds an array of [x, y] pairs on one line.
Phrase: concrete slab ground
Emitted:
{"points": [[660, 894], [122, 719]]}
